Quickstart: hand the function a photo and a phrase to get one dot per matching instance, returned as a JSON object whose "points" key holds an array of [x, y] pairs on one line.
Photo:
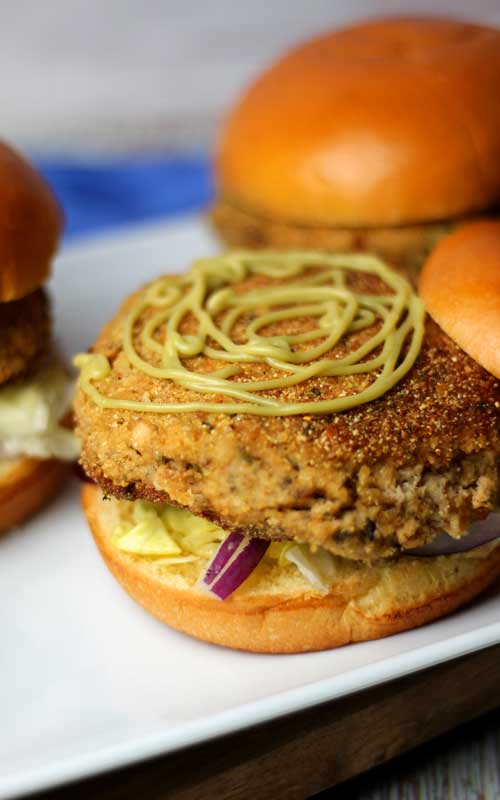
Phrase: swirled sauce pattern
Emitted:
{"points": [[301, 285]]}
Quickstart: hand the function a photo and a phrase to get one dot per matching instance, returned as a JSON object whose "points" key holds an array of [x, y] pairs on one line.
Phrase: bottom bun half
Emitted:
{"points": [[26, 485], [277, 611]]}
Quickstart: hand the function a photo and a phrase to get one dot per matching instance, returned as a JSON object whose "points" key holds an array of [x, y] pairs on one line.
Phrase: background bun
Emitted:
{"points": [[30, 225], [386, 122], [279, 612], [460, 286], [26, 486]]}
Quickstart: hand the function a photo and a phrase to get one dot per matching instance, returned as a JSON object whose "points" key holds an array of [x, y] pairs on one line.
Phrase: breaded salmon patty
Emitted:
{"points": [[406, 245], [362, 483], [24, 334]]}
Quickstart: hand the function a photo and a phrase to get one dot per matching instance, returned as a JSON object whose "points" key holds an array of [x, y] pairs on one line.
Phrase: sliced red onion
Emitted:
{"points": [[225, 551], [481, 532], [237, 567]]}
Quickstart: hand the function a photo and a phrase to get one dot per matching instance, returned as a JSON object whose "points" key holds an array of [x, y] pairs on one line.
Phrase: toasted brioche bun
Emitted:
{"points": [[460, 286], [387, 122], [26, 485], [277, 611], [30, 225]]}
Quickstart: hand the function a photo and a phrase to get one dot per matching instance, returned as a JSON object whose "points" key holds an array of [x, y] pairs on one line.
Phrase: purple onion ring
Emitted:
{"points": [[481, 532]]}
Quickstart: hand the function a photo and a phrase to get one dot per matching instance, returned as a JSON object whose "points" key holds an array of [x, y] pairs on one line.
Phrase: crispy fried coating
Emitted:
{"points": [[405, 246], [421, 459], [24, 334]]}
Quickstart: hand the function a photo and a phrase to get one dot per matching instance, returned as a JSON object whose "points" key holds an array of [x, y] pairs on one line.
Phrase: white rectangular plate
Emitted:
{"points": [[89, 681]]}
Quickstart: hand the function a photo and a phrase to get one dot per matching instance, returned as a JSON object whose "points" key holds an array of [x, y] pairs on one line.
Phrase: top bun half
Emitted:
{"points": [[388, 122], [460, 286], [30, 226]]}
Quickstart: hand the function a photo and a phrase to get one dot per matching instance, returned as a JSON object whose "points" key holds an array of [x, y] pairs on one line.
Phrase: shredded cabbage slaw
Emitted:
{"points": [[30, 413], [173, 536]]}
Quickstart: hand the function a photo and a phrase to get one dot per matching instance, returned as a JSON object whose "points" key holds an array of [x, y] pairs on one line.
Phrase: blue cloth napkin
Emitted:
{"points": [[100, 195]]}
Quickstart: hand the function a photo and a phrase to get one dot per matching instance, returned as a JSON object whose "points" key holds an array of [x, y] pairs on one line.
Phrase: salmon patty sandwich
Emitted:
{"points": [[380, 136], [35, 389], [287, 454]]}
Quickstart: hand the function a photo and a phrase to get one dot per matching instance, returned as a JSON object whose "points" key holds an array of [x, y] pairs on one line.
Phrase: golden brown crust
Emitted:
{"points": [[460, 285], [381, 602], [27, 487], [405, 246], [30, 225], [421, 459], [381, 512], [387, 122], [24, 334]]}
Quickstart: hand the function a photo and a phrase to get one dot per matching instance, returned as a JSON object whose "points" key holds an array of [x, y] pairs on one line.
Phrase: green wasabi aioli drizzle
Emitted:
{"points": [[315, 287]]}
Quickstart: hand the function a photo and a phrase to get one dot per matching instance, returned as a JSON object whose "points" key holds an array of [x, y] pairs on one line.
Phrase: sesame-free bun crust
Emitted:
{"points": [[387, 122], [30, 225], [278, 612], [460, 286], [26, 486]]}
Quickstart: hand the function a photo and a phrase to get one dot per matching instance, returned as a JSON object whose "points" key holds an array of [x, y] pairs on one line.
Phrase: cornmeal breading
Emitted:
{"points": [[395, 472], [24, 334], [405, 246]]}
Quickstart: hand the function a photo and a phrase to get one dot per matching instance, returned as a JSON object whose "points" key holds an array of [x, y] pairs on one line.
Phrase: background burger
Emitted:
{"points": [[299, 531], [35, 390], [380, 137]]}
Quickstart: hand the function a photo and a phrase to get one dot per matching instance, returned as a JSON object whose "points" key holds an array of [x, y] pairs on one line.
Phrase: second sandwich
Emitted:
{"points": [[35, 388]]}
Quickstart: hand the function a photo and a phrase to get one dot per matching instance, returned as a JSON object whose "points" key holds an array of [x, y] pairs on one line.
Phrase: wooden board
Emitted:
{"points": [[301, 754]]}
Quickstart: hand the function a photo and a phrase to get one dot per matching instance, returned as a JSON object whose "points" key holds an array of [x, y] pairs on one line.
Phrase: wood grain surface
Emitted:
{"points": [[302, 754], [461, 765]]}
